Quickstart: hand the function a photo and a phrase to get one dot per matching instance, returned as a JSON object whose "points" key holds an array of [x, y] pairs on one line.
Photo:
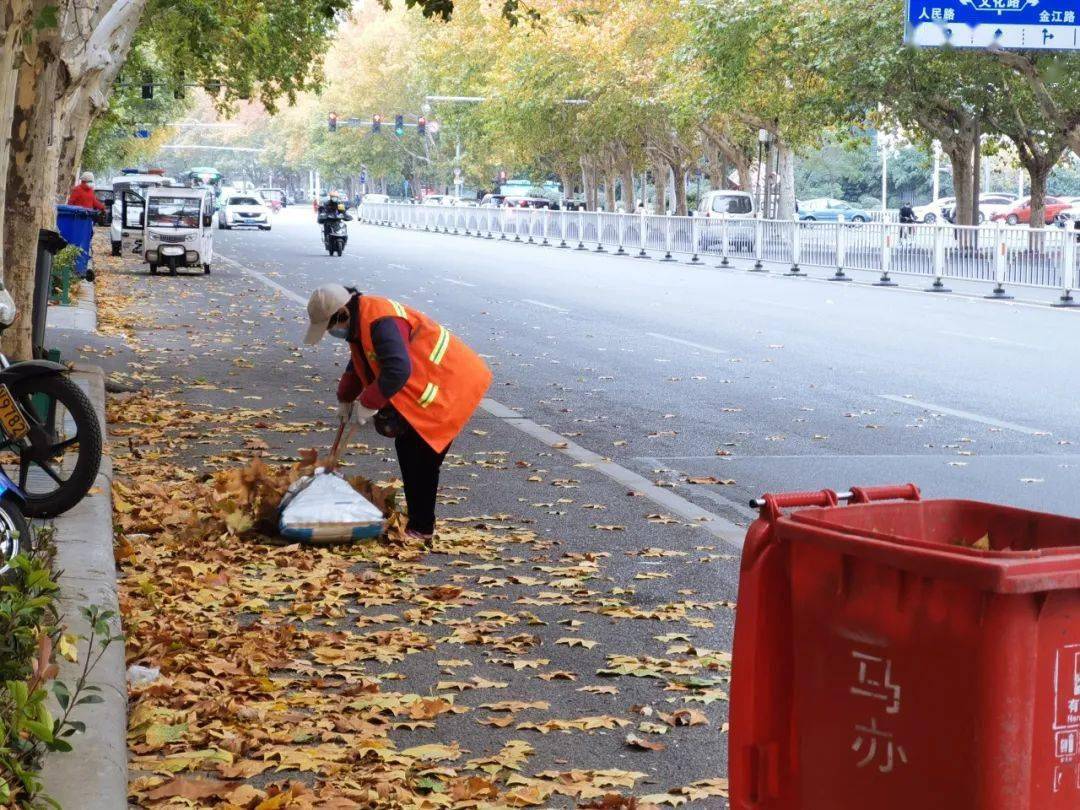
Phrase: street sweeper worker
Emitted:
{"points": [[415, 380]]}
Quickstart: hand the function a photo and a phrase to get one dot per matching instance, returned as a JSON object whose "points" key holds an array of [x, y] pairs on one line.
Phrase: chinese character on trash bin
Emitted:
{"points": [[875, 682], [878, 745]]}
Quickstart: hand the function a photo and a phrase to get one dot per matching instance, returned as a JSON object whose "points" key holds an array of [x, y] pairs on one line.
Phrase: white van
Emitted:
{"points": [[178, 229], [129, 191], [730, 204], [720, 207]]}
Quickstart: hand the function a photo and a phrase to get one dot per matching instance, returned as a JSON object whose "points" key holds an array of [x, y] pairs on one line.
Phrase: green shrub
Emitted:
{"points": [[64, 261], [31, 631]]}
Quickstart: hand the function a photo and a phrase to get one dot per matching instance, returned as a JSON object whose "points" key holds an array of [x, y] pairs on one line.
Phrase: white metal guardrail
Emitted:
{"points": [[998, 255]]}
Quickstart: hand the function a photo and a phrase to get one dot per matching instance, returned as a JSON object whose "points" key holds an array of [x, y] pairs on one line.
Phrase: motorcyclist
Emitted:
{"points": [[333, 210]]}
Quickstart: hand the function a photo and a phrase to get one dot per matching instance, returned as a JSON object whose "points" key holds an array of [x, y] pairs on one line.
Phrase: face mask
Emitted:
{"points": [[341, 332]]}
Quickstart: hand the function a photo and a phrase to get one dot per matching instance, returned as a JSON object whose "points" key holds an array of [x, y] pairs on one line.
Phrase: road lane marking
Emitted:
{"points": [[713, 524], [990, 339], [689, 343], [545, 306], [459, 281], [971, 417]]}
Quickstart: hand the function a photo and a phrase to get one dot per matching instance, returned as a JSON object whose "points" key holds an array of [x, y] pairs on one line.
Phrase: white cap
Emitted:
{"points": [[324, 302], [87, 177]]}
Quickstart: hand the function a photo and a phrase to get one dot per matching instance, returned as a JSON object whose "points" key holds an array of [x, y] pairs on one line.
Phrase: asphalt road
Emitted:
{"points": [[670, 371], [777, 384]]}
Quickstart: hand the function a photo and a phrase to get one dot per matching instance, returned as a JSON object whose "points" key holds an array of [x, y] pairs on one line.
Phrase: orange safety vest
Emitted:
{"points": [[448, 378]]}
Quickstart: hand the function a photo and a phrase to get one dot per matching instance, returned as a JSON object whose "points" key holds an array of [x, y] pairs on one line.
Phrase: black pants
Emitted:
{"points": [[420, 466]]}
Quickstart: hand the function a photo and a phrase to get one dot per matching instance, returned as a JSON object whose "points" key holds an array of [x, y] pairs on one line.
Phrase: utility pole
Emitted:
{"points": [[884, 177], [937, 170], [457, 168]]}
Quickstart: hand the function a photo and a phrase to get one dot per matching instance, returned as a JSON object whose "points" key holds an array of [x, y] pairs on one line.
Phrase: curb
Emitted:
{"points": [[94, 776], [82, 317]]}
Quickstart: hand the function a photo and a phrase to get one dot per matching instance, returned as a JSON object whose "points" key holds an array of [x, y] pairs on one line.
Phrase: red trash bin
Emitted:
{"points": [[900, 654]]}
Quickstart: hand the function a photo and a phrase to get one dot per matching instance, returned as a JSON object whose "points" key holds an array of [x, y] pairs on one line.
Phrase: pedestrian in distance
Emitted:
{"points": [[907, 219], [415, 380], [83, 194]]}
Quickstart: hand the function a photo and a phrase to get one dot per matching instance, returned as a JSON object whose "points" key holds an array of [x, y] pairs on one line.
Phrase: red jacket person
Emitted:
{"points": [[83, 194], [420, 383]]}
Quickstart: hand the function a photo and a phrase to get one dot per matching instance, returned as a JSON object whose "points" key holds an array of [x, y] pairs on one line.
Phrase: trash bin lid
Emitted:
{"points": [[51, 240], [992, 546], [75, 211]]}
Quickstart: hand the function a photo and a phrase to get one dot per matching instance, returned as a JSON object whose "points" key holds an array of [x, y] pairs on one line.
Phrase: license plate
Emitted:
{"points": [[172, 251], [11, 419]]}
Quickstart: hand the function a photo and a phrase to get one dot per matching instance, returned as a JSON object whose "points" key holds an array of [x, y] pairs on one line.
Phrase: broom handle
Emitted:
{"points": [[335, 450]]}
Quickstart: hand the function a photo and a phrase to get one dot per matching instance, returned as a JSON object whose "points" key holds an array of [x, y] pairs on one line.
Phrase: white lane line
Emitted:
{"points": [[689, 343], [459, 281], [972, 417], [269, 282], [990, 339], [545, 306], [712, 523], [398, 267]]}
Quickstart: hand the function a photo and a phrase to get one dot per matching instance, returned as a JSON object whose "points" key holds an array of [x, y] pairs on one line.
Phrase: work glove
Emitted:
{"points": [[353, 413]]}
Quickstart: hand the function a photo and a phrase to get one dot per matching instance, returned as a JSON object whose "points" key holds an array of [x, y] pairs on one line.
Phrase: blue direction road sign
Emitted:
{"points": [[1042, 24]]}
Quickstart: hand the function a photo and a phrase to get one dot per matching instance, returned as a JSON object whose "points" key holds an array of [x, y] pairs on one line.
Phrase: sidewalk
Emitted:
{"points": [[561, 643], [94, 775]]}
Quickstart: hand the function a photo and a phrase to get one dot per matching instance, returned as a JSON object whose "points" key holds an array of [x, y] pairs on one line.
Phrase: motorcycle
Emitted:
{"points": [[335, 234], [50, 438]]}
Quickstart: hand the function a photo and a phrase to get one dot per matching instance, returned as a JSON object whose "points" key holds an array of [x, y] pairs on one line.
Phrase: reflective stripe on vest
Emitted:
{"points": [[430, 392], [441, 345], [399, 310]]}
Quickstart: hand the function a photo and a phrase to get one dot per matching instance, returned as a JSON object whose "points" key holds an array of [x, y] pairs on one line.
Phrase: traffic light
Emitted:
{"points": [[376, 123], [399, 126], [421, 126], [148, 87], [331, 122]]}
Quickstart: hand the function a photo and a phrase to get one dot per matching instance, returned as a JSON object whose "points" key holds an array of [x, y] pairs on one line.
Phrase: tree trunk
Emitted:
{"points": [[959, 153], [17, 15], [566, 177], [629, 202], [31, 124], [678, 174], [660, 181], [609, 191], [717, 167], [786, 203], [1038, 172], [976, 172]]}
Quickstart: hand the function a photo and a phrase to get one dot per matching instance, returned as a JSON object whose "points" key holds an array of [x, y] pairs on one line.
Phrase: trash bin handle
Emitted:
{"points": [[894, 492], [770, 504]]}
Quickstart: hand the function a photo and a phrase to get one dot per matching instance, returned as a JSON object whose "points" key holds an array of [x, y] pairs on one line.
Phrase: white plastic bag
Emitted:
{"points": [[325, 508]]}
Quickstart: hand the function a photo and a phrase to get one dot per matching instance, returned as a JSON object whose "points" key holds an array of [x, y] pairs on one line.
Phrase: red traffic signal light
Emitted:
{"points": [[331, 122], [421, 125], [376, 123]]}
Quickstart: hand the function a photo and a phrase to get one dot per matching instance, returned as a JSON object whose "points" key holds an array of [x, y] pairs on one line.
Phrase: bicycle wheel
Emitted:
{"points": [[56, 463]]}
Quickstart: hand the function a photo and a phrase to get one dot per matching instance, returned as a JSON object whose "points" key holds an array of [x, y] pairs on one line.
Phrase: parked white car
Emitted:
{"points": [[719, 207], [934, 211], [731, 204], [376, 198], [243, 211]]}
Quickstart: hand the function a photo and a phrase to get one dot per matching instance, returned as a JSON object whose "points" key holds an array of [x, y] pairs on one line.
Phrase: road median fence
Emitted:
{"points": [[998, 255]]}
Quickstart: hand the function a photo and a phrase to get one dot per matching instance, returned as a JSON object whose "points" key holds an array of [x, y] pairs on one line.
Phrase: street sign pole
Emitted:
{"points": [[1006, 24]]}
